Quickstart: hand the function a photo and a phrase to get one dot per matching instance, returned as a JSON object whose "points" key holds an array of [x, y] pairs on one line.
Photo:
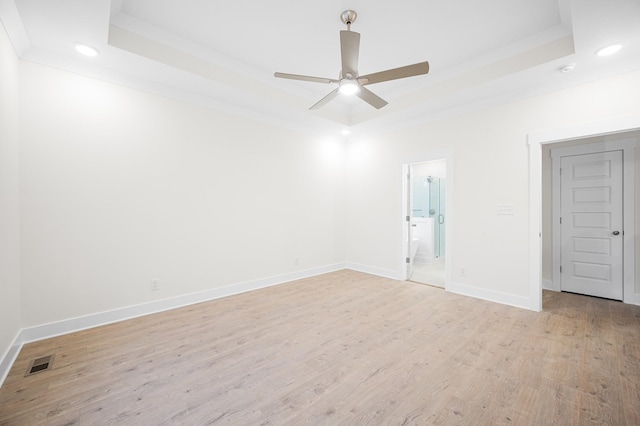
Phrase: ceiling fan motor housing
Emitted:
{"points": [[348, 17]]}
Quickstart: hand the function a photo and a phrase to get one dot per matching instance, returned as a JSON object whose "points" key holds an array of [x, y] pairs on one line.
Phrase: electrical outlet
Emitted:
{"points": [[155, 284], [296, 261], [463, 271]]}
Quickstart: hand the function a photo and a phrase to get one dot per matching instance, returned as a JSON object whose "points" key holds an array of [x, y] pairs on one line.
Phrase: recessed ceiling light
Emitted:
{"points": [[87, 50], [608, 50], [567, 68], [345, 132]]}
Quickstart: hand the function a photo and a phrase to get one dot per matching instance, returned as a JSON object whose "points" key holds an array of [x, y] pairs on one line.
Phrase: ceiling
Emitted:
{"points": [[222, 54]]}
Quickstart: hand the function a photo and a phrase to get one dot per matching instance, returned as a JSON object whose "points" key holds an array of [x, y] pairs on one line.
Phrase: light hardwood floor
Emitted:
{"points": [[342, 348]]}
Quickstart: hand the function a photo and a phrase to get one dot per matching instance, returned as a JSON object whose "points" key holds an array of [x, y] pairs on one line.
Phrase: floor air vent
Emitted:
{"points": [[39, 365]]}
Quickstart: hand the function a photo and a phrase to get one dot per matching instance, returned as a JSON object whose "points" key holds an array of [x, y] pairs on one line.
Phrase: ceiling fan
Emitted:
{"points": [[349, 82]]}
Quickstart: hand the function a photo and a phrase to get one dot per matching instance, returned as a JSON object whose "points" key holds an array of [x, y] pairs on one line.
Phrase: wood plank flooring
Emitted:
{"points": [[344, 348]]}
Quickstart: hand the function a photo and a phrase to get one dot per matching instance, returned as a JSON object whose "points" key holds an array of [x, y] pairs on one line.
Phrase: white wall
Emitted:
{"points": [[491, 168], [120, 186], [9, 197]]}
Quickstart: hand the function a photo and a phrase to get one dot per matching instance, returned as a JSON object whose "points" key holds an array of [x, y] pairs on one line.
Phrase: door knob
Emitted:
{"points": [[616, 232]]}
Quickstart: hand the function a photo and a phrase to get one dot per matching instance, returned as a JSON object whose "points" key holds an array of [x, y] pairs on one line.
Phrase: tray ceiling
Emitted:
{"points": [[223, 54]]}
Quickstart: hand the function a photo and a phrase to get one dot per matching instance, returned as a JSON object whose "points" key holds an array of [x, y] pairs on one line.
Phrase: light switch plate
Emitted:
{"points": [[505, 209]]}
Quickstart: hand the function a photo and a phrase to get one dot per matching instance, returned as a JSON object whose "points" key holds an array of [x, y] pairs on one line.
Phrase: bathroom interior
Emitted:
{"points": [[428, 218]]}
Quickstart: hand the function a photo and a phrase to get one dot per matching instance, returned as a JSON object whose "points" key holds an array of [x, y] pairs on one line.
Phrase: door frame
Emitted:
{"points": [[448, 156], [535, 140], [407, 202], [627, 146]]}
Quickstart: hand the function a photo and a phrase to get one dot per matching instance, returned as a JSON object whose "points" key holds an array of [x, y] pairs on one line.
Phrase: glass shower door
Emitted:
{"points": [[437, 213]]}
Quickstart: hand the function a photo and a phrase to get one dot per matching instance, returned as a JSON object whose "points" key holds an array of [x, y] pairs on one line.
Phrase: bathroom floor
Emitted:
{"points": [[432, 274]]}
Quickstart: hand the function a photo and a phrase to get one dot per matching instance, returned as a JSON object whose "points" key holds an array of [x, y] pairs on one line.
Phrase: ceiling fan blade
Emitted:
{"points": [[305, 78], [325, 100], [394, 74], [349, 49], [371, 98]]}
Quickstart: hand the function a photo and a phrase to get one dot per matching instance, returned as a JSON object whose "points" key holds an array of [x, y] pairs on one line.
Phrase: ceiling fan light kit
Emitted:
{"points": [[348, 87], [349, 81]]}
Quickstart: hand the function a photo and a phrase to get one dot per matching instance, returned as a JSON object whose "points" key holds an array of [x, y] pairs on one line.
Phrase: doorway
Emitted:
{"points": [[426, 194], [588, 188], [543, 268], [594, 254]]}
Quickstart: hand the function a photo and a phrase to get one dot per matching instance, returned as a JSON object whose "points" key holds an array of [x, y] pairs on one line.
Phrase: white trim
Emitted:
{"points": [[490, 295], [548, 285], [535, 140], [628, 147], [58, 328], [374, 270], [449, 224], [631, 295], [9, 357], [406, 244], [45, 331], [556, 242], [535, 226], [584, 130]]}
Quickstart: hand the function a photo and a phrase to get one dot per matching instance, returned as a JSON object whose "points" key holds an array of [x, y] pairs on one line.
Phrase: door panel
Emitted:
{"points": [[592, 245], [591, 210], [590, 221]]}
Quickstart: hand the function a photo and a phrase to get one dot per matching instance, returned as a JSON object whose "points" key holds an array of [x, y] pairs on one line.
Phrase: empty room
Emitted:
{"points": [[330, 212]]}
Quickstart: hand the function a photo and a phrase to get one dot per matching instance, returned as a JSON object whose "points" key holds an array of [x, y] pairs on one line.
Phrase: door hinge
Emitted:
{"points": [[560, 171], [407, 218], [560, 269], [561, 220], [408, 260]]}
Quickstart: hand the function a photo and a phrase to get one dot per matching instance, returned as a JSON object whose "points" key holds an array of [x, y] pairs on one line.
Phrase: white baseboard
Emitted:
{"points": [[373, 270], [458, 288], [633, 299], [491, 295], [548, 285], [45, 331], [9, 357]]}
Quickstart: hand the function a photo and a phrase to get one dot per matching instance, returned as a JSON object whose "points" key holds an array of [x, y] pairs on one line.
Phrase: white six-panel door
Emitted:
{"points": [[591, 224]]}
